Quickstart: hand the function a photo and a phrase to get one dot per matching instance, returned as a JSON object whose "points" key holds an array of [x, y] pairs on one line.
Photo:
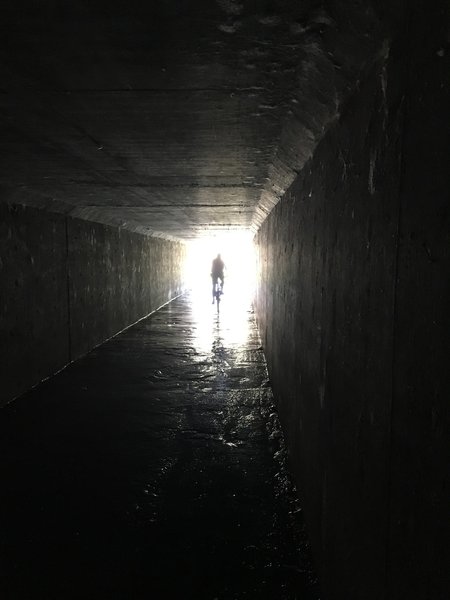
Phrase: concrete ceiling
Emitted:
{"points": [[176, 118]]}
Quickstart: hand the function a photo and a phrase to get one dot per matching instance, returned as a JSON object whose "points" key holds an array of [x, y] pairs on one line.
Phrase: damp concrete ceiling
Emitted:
{"points": [[176, 118]]}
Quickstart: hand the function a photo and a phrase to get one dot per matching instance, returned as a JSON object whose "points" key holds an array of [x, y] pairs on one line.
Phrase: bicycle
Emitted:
{"points": [[217, 294]]}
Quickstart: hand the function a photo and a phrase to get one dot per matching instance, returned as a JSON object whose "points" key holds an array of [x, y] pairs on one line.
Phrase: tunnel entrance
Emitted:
{"points": [[238, 253], [128, 130]]}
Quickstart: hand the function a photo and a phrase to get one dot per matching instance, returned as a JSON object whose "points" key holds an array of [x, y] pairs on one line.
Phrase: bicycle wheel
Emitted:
{"points": [[218, 299]]}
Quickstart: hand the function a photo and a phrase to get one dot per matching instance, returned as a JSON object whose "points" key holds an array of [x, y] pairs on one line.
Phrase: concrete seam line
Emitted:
{"points": [[401, 174], [69, 325]]}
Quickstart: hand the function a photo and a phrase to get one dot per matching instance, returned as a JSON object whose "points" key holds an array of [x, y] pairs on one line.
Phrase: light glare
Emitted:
{"points": [[231, 326], [237, 252]]}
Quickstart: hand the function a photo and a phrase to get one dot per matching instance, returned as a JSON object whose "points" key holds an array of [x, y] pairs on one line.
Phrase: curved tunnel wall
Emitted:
{"points": [[351, 306], [67, 285]]}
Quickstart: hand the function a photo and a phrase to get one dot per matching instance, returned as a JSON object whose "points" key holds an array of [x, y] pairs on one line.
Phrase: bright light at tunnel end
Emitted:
{"points": [[237, 252]]}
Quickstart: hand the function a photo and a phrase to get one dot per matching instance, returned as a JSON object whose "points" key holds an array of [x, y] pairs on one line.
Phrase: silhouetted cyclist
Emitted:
{"points": [[217, 269]]}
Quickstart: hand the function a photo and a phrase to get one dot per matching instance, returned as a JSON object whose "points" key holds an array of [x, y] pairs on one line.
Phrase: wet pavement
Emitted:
{"points": [[153, 468]]}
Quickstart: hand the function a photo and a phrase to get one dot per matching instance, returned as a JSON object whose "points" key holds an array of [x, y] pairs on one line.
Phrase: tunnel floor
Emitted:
{"points": [[153, 468]]}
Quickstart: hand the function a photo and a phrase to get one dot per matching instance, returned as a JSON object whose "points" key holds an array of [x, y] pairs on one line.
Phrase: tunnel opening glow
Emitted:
{"points": [[230, 328], [237, 252]]}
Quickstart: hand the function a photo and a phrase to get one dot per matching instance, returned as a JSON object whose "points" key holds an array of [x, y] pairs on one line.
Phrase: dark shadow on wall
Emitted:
{"points": [[352, 306], [68, 285]]}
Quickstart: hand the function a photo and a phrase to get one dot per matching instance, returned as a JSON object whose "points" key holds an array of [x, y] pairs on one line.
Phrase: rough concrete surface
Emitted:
{"points": [[172, 118], [419, 527], [326, 288], [34, 303], [353, 311], [67, 285], [115, 278], [153, 467]]}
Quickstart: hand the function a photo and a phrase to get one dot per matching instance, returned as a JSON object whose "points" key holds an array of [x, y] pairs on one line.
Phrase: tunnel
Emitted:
{"points": [[315, 134]]}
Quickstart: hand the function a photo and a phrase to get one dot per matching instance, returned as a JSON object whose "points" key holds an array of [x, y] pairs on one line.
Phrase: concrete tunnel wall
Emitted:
{"points": [[352, 306], [67, 285]]}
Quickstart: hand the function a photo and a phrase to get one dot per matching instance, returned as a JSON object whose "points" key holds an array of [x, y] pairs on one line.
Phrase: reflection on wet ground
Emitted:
{"points": [[153, 468]]}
